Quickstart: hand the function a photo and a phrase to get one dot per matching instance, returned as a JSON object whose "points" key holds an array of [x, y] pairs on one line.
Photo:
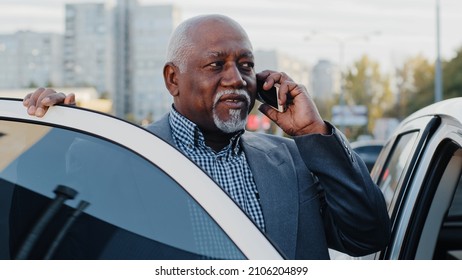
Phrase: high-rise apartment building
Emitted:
{"points": [[85, 48], [121, 40], [30, 59], [141, 38], [140, 58], [120, 51]]}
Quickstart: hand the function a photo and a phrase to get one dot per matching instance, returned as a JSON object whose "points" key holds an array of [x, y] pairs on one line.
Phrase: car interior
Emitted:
{"points": [[449, 242]]}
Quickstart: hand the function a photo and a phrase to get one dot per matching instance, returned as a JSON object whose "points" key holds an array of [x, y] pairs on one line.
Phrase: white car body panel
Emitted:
{"points": [[250, 240]]}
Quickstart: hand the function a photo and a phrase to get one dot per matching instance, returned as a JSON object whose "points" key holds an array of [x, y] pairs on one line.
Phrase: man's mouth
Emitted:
{"points": [[233, 99]]}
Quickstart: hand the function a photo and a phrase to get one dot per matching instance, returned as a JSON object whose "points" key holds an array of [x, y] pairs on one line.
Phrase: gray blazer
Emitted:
{"points": [[315, 193]]}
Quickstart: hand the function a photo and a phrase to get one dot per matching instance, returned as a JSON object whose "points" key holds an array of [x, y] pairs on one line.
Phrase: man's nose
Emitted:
{"points": [[233, 77]]}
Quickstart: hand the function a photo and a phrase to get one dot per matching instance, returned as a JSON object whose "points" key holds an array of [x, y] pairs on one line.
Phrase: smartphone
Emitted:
{"points": [[270, 96]]}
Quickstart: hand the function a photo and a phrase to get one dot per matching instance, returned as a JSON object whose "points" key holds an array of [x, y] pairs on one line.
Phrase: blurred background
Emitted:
{"points": [[367, 63]]}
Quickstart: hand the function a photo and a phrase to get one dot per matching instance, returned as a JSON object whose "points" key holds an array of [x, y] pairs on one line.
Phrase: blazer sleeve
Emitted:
{"points": [[353, 208]]}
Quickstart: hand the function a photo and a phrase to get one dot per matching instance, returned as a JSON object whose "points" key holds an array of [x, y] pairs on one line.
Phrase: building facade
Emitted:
{"points": [[273, 60], [150, 31], [85, 48], [30, 59]]}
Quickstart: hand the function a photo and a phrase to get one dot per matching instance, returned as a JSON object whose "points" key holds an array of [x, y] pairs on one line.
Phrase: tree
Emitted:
{"points": [[365, 85], [414, 82], [452, 76]]}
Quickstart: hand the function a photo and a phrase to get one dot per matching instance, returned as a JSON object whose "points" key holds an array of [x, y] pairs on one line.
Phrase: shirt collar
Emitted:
{"points": [[188, 133]]}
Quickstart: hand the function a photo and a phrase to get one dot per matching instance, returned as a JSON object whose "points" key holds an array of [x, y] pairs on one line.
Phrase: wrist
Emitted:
{"points": [[315, 128]]}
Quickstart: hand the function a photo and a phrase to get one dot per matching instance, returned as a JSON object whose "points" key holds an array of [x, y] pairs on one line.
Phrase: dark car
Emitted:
{"points": [[368, 150]]}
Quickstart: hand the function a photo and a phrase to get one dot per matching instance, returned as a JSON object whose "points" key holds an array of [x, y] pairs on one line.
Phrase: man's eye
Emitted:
{"points": [[247, 65], [216, 64]]}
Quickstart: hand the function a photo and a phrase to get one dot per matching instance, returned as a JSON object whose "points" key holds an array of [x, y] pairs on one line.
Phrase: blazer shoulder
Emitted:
{"points": [[264, 141], [162, 129]]}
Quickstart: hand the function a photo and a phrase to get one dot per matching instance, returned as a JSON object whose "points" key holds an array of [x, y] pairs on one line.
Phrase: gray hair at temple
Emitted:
{"points": [[179, 46]]}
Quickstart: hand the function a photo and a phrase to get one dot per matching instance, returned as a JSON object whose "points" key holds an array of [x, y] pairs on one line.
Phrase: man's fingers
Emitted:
{"points": [[26, 100], [70, 99], [40, 112], [271, 113], [31, 98], [39, 101], [49, 97], [31, 110]]}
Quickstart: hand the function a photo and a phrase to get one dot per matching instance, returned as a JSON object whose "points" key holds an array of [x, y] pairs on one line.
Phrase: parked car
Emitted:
{"points": [[78, 184], [368, 150], [419, 172]]}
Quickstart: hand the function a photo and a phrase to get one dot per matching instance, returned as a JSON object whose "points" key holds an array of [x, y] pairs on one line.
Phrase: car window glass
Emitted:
{"points": [[395, 167], [135, 210], [455, 211]]}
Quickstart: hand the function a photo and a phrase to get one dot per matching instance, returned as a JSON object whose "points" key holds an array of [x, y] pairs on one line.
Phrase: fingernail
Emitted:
{"points": [[39, 112], [31, 110], [46, 100]]}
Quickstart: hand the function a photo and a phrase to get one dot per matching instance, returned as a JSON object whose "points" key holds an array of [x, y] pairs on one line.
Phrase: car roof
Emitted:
{"points": [[450, 107]]}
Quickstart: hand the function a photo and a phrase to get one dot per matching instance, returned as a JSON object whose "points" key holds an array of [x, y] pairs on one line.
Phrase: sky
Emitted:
{"points": [[388, 31]]}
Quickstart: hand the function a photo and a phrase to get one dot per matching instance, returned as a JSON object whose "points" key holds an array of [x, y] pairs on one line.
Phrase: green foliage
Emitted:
{"points": [[366, 85], [452, 77], [416, 83], [415, 86]]}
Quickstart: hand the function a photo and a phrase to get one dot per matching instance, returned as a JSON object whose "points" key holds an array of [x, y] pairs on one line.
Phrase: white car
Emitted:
{"points": [[419, 172], [78, 184]]}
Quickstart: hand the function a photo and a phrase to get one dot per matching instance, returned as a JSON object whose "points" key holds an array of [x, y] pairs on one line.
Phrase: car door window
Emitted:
{"points": [[395, 167], [135, 210]]}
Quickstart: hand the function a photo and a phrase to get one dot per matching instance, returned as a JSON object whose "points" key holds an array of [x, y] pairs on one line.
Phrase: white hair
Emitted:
{"points": [[180, 46]]}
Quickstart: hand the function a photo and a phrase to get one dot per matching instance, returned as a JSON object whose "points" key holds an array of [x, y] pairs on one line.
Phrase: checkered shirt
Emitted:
{"points": [[228, 167]]}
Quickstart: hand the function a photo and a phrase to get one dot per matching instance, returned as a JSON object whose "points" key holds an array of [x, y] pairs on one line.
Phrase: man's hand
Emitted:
{"points": [[39, 101], [302, 116]]}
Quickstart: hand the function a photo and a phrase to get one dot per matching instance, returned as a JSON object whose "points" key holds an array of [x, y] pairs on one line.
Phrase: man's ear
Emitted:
{"points": [[171, 79]]}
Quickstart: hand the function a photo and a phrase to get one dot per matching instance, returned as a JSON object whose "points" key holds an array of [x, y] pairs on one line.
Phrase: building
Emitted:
{"points": [[325, 80], [30, 59], [86, 58], [121, 41], [150, 31], [120, 51], [273, 60], [141, 35]]}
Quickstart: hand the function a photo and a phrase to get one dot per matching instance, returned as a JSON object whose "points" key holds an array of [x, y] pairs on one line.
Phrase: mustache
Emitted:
{"points": [[240, 92]]}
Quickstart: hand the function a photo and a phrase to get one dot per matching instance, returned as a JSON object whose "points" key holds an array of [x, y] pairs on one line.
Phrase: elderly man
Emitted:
{"points": [[309, 192]]}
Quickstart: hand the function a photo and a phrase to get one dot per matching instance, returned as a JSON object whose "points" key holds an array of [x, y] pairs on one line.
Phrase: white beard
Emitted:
{"points": [[235, 122]]}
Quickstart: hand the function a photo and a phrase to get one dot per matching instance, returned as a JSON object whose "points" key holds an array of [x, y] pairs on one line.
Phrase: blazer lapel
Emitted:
{"points": [[274, 175]]}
